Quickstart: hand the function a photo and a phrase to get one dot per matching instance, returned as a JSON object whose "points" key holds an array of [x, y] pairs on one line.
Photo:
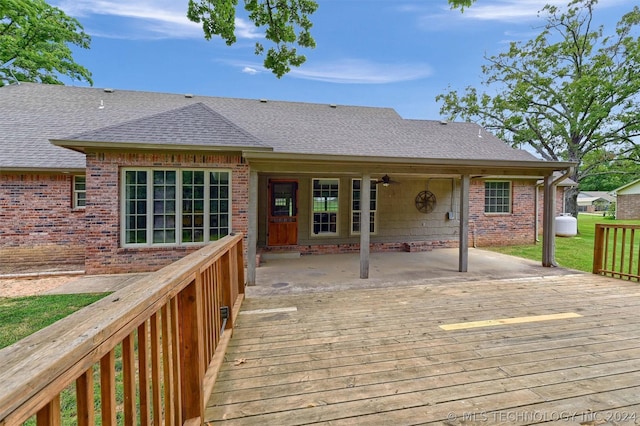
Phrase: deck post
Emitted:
{"points": [[548, 223], [252, 232], [192, 364], [598, 248], [463, 246], [365, 200]]}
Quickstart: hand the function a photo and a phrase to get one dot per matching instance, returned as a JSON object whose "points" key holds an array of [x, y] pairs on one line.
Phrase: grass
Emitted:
{"points": [[571, 252], [22, 316]]}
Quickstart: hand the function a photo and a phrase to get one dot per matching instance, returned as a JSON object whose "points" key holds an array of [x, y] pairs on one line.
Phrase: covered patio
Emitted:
{"points": [[511, 343]]}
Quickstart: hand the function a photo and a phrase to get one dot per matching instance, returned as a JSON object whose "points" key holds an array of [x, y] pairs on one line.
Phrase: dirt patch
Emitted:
{"points": [[32, 286]]}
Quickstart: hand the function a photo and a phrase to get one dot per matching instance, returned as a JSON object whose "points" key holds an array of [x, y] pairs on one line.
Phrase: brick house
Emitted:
{"points": [[628, 201], [131, 181]]}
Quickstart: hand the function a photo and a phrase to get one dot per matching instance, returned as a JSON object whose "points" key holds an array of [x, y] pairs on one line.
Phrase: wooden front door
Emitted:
{"points": [[283, 212]]}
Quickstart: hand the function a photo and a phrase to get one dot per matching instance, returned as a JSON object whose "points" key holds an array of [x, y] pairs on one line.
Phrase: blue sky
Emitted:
{"points": [[393, 53]]}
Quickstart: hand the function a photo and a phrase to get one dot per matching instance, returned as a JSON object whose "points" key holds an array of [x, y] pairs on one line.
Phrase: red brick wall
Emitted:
{"points": [[494, 229], [104, 253], [559, 204], [628, 206], [36, 213]]}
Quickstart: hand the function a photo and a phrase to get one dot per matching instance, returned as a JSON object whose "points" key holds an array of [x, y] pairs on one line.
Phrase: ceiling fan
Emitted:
{"points": [[386, 181]]}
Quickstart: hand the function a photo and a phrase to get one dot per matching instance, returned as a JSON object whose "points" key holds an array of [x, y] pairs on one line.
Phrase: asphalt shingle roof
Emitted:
{"points": [[190, 125], [33, 114]]}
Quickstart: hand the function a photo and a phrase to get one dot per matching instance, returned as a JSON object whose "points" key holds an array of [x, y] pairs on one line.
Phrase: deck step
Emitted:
{"points": [[280, 255]]}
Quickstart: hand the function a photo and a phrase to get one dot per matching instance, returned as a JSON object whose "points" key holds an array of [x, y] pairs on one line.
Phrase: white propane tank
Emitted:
{"points": [[566, 225]]}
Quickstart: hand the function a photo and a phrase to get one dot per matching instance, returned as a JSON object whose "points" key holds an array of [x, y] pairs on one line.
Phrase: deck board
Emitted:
{"points": [[379, 355]]}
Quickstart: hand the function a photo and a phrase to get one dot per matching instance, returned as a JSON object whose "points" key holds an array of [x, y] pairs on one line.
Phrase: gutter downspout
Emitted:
{"points": [[548, 243], [537, 200]]}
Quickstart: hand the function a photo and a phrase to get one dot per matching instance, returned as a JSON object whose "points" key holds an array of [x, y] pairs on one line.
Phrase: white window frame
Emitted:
{"points": [[79, 195], [495, 208], [329, 212], [178, 224], [373, 212]]}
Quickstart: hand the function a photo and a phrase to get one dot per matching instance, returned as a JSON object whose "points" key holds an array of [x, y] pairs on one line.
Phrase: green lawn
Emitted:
{"points": [[571, 252], [22, 316]]}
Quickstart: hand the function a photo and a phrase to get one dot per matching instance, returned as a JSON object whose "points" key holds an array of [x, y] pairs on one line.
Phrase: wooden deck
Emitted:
{"points": [[566, 351]]}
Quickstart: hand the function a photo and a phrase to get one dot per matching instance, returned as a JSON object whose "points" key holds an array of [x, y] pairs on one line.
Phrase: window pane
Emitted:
{"points": [[164, 190], [157, 211], [325, 205], [135, 207], [356, 206], [193, 199], [497, 197], [219, 205]]}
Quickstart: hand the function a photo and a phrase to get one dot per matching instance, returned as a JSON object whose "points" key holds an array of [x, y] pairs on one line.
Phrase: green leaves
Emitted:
{"points": [[568, 92], [461, 4], [36, 37], [286, 24]]}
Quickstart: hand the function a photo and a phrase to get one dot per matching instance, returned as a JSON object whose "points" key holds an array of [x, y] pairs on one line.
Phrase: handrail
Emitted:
{"points": [[158, 341], [616, 252]]}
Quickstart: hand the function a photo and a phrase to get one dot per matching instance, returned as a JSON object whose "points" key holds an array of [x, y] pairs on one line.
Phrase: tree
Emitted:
{"points": [[287, 24], [570, 94], [609, 173], [34, 43]]}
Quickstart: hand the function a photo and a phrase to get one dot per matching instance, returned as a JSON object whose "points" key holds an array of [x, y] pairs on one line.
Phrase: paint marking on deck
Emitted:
{"points": [[269, 311], [505, 321]]}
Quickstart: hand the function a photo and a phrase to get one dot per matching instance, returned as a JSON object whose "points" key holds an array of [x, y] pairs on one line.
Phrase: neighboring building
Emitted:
{"points": [[594, 201], [131, 181], [628, 200]]}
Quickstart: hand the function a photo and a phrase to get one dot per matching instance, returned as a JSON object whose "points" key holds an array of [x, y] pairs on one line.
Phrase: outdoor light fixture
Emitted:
{"points": [[385, 181]]}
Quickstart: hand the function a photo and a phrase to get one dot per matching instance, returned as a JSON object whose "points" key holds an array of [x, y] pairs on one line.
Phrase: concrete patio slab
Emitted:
{"points": [[333, 272]]}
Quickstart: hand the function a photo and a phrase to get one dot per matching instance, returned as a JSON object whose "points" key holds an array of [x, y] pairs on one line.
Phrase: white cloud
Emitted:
{"points": [[355, 71], [499, 10], [350, 71], [152, 19]]}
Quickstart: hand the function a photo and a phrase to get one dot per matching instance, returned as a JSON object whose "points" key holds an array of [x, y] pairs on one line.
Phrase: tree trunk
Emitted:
{"points": [[571, 201]]}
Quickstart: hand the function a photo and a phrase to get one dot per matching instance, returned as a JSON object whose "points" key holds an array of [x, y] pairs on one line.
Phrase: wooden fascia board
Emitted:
{"points": [[82, 146], [42, 170], [296, 163]]}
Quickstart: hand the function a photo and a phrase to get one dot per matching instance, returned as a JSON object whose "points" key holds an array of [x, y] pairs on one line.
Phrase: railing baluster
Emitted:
{"points": [[143, 372], [175, 361], [168, 329], [623, 249], [108, 388], [606, 249], [49, 415], [84, 399], [129, 380], [621, 256], [167, 361], [156, 367], [631, 250]]}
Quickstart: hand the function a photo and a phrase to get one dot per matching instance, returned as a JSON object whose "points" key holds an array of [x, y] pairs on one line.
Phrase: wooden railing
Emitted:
{"points": [[146, 354], [616, 251]]}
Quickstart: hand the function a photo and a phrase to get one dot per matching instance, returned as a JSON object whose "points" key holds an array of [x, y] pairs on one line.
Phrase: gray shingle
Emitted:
{"points": [[33, 114], [191, 125]]}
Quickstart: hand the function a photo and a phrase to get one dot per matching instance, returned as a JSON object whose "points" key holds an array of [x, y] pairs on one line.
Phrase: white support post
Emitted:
{"points": [[548, 223], [463, 247], [365, 201], [252, 237]]}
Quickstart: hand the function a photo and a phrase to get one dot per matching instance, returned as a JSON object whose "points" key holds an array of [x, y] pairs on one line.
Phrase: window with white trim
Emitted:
{"points": [[175, 206], [356, 191], [325, 206], [79, 192], [497, 197]]}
